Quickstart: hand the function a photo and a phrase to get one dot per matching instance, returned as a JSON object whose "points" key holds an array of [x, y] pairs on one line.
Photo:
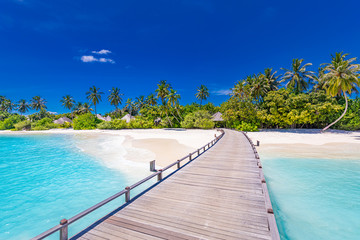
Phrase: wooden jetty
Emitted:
{"points": [[222, 194]]}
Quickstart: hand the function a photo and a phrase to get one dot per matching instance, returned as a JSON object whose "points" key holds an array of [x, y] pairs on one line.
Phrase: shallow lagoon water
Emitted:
{"points": [[314, 198], [44, 178]]}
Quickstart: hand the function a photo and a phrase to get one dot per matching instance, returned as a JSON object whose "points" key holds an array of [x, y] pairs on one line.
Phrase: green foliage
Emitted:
{"points": [[141, 123], [85, 121], [43, 124], [247, 127], [198, 119], [23, 125], [10, 121], [118, 124], [104, 125]]}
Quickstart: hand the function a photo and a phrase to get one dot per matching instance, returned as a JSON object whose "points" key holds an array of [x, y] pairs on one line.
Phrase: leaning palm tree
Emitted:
{"points": [[341, 76], [140, 102], [259, 87], [38, 103], [240, 90], [86, 108], [23, 106], [129, 106], [173, 102], [298, 77], [202, 93], [115, 97], [162, 93], [68, 102], [6, 105], [94, 95]]}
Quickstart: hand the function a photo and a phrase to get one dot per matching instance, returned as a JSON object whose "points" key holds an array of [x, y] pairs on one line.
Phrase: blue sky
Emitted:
{"points": [[52, 48]]}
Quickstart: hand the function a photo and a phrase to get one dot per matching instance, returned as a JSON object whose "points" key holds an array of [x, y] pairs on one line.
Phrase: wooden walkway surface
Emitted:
{"points": [[219, 195]]}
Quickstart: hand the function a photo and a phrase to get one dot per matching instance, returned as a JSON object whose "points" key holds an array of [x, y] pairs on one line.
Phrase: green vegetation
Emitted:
{"points": [[297, 98]]}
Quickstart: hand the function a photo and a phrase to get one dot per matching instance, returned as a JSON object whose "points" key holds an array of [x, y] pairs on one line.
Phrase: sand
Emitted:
{"points": [[308, 143]]}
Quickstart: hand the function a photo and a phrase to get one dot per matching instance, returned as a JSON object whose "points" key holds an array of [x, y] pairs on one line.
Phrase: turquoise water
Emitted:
{"points": [[44, 178], [315, 198]]}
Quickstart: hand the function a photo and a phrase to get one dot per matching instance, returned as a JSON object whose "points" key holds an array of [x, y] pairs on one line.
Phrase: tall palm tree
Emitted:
{"points": [[68, 102], [298, 77], [202, 93], [341, 76], [129, 106], [271, 79], [151, 100], [23, 106], [173, 102], [86, 108], [259, 86], [94, 95], [162, 93], [319, 81], [38, 103], [115, 98]]}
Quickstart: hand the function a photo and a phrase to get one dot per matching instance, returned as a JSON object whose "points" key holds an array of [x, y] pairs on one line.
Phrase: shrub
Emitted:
{"points": [[247, 127], [43, 124], [118, 124], [198, 119], [104, 125], [9, 122], [24, 125], [85, 121], [140, 123]]}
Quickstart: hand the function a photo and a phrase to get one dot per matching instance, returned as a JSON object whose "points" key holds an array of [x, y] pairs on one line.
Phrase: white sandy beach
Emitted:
{"points": [[310, 143]]}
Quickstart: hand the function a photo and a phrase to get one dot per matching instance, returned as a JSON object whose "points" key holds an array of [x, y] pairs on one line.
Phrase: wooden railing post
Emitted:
{"points": [[152, 166], [178, 164], [64, 230], [127, 194], [159, 176], [190, 157]]}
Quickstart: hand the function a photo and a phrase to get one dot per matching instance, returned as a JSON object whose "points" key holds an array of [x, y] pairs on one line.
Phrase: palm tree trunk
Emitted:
{"points": [[342, 115]]}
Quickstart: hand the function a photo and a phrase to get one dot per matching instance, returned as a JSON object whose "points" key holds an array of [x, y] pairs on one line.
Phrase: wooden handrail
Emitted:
{"points": [[64, 223]]}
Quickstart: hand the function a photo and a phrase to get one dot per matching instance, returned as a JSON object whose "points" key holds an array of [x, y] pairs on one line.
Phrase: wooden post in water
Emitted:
{"points": [[64, 230], [159, 176], [127, 194], [152, 166]]}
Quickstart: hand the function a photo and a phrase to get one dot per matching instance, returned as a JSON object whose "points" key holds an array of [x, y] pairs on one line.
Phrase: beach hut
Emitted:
{"points": [[128, 118], [62, 120], [106, 119], [217, 117]]}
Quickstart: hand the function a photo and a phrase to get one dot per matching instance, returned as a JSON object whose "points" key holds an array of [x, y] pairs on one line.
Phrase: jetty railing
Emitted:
{"points": [[274, 231], [62, 227]]}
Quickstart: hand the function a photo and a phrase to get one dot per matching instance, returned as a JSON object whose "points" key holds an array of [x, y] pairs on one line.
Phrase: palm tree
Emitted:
{"points": [[271, 79], [115, 97], [129, 106], [86, 108], [140, 102], [298, 77], [151, 100], [241, 90], [94, 95], [23, 106], [162, 93], [38, 103], [340, 77], [68, 102], [259, 86], [202, 93], [173, 102], [319, 82], [6, 105]]}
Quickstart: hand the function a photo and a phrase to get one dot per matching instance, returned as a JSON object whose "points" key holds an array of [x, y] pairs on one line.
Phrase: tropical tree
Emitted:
{"points": [[202, 93], [94, 96], [140, 102], [162, 93], [340, 77], [319, 83], [38, 103], [298, 77], [240, 90], [151, 100], [259, 86], [129, 106], [6, 105], [68, 102], [173, 102], [115, 98], [271, 79], [86, 108], [23, 106]]}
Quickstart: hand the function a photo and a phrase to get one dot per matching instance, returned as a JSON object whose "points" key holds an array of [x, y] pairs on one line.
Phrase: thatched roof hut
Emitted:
{"points": [[63, 120], [128, 118], [217, 117]]}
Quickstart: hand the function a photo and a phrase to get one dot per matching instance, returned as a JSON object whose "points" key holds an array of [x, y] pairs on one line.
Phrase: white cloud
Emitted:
{"points": [[222, 92], [94, 59], [88, 59], [103, 51]]}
